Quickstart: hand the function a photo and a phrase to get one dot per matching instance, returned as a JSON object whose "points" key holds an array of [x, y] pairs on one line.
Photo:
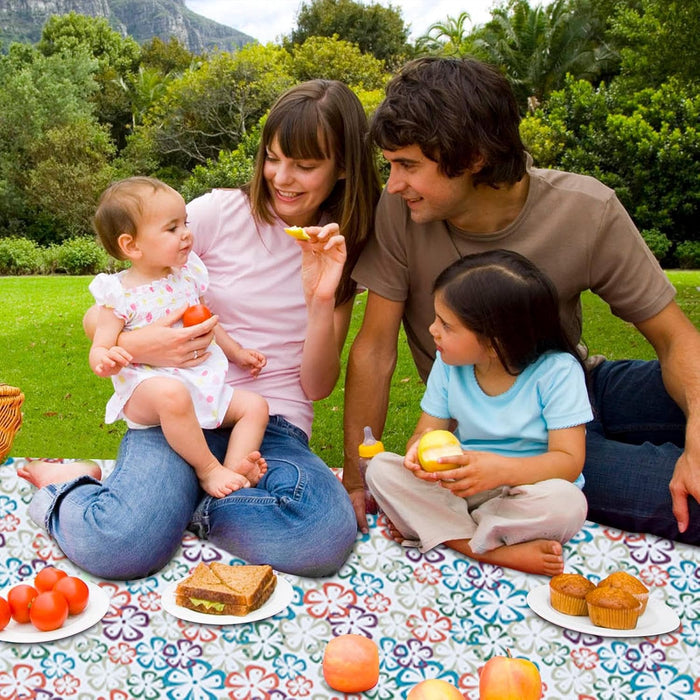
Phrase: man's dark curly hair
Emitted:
{"points": [[456, 111]]}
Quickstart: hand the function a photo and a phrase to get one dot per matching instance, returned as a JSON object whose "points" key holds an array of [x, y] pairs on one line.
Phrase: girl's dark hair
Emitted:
{"points": [[457, 111], [511, 304], [316, 120]]}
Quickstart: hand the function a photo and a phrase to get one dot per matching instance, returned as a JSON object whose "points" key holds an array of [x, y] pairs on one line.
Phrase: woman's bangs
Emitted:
{"points": [[302, 136]]}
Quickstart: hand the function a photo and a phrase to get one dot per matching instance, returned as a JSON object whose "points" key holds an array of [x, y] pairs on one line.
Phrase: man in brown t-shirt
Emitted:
{"points": [[460, 183]]}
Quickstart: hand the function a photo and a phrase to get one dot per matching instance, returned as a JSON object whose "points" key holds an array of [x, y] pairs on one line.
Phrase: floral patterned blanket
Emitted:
{"points": [[432, 615]]}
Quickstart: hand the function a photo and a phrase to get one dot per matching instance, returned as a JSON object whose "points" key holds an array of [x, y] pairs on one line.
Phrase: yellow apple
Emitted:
{"points": [[298, 233], [434, 689], [436, 444], [506, 678]]}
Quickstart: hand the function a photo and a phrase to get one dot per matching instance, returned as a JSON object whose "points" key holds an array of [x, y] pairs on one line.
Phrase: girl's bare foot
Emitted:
{"points": [[218, 481], [252, 467], [41, 473], [534, 557]]}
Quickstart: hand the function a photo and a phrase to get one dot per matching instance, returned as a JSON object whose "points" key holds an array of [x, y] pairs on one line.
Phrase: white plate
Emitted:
{"points": [[280, 599], [26, 633], [657, 619]]}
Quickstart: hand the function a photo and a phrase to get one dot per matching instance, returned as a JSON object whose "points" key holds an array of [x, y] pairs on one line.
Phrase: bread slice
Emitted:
{"points": [[221, 589]]}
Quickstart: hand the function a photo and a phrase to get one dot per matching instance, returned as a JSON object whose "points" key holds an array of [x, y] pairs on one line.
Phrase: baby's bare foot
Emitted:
{"points": [[252, 467], [41, 473], [218, 481]]}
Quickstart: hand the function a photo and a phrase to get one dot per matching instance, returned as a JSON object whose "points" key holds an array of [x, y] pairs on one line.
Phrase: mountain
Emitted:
{"points": [[23, 20]]}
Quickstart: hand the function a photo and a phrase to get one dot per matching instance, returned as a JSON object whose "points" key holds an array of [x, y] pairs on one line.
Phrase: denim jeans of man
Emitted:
{"points": [[632, 448], [298, 519]]}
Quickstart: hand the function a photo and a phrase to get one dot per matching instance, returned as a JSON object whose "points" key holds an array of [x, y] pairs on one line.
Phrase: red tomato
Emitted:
{"points": [[195, 314], [48, 611], [75, 591], [46, 579], [5, 614], [20, 598]]}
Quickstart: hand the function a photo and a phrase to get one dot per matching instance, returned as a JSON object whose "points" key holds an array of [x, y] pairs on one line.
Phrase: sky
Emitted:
{"points": [[268, 20]]}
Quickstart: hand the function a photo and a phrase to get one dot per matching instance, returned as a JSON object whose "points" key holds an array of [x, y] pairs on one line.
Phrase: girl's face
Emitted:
{"points": [[163, 240], [297, 188], [457, 344]]}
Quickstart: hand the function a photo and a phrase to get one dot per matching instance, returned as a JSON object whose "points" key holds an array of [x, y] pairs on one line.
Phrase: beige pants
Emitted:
{"points": [[428, 514]]}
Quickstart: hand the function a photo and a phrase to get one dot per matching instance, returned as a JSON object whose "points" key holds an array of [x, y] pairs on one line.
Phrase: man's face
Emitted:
{"points": [[429, 194]]}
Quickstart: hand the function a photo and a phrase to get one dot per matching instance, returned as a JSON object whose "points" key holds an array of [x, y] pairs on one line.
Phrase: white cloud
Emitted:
{"points": [[268, 21]]}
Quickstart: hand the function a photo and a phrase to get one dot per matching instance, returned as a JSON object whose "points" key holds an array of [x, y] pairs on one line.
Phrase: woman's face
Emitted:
{"points": [[297, 188]]}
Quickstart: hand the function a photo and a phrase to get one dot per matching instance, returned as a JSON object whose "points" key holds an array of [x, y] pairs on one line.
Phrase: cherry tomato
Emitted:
{"points": [[195, 314], [48, 611], [20, 599], [47, 578], [5, 614], [75, 591]]}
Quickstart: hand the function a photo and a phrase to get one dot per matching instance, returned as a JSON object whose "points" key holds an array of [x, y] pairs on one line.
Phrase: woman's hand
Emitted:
{"points": [[161, 345], [322, 261]]}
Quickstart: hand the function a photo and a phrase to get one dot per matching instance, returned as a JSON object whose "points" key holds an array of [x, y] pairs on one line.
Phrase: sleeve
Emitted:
{"points": [[564, 395], [435, 399], [108, 292], [203, 219], [624, 272], [383, 266]]}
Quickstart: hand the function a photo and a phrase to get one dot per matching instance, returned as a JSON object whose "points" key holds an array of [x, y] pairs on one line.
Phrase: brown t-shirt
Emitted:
{"points": [[572, 227]]}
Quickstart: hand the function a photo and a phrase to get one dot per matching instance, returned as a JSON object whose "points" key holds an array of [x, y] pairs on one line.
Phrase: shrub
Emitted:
{"points": [[645, 146], [19, 256], [79, 256], [688, 255], [658, 242]]}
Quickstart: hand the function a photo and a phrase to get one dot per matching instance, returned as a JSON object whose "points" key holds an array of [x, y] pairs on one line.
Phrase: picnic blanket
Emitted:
{"points": [[432, 615]]}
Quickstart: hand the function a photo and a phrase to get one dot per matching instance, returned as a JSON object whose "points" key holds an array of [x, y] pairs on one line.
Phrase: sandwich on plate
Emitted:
{"points": [[220, 589]]}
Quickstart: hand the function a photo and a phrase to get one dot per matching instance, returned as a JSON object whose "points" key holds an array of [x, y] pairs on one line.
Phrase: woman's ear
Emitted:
{"points": [[128, 246]]}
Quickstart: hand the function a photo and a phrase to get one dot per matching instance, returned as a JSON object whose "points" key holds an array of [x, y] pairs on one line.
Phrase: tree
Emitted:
{"points": [[537, 48], [117, 58], [374, 28], [210, 108], [53, 153], [448, 38], [168, 58], [657, 39], [335, 59]]}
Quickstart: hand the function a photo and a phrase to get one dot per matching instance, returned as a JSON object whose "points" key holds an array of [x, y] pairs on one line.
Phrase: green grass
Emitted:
{"points": [[45, 354]]}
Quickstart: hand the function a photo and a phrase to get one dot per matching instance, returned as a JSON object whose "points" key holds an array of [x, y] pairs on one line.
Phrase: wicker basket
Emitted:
{"points": [[11, 399]]}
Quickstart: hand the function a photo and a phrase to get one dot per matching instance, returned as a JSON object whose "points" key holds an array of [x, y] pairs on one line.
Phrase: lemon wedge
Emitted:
{"points": [[298, 233]]}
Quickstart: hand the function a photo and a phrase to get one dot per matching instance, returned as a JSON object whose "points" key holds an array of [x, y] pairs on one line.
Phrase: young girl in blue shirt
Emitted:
{"points": [[512, 387]]}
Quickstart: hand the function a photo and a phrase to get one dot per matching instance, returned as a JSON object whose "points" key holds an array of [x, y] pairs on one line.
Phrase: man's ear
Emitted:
{"points": [[128, 246], [477, 164]]}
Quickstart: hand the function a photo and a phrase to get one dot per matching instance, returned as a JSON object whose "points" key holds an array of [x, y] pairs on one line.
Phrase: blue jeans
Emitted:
{"points": [[632, 447], [298, 519]]}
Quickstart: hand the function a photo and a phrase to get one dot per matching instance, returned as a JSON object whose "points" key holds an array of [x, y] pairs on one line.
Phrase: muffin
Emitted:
{"points": [[614, 608], [567, 593], [629, 583]]}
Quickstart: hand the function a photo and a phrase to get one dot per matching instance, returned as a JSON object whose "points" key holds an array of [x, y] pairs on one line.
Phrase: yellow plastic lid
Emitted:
{"points": [[370, 447]]}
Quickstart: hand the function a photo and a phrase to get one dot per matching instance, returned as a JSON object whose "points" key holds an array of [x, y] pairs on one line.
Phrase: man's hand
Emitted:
{"points": [[684, 484], [357, 498]]}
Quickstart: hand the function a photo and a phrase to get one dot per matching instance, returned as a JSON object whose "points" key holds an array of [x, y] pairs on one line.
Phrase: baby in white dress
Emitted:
{"points": [[143, 220]]}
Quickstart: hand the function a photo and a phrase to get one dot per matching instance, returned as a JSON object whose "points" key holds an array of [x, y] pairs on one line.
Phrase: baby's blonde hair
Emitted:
{"points": [[120, 208]]}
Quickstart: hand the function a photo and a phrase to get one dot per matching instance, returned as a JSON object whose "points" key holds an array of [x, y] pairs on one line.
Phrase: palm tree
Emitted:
{"points": [[449, 38], [537, 47]]}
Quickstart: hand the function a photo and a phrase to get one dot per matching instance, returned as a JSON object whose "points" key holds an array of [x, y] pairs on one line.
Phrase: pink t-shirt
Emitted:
{"points": [[255, 288]]}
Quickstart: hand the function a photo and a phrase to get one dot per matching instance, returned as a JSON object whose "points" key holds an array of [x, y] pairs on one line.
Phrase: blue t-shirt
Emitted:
{"points": [[549, 394]]}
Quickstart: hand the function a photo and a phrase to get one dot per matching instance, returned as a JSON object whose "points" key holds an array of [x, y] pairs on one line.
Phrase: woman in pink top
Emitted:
{"points": [[290, 300]]}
